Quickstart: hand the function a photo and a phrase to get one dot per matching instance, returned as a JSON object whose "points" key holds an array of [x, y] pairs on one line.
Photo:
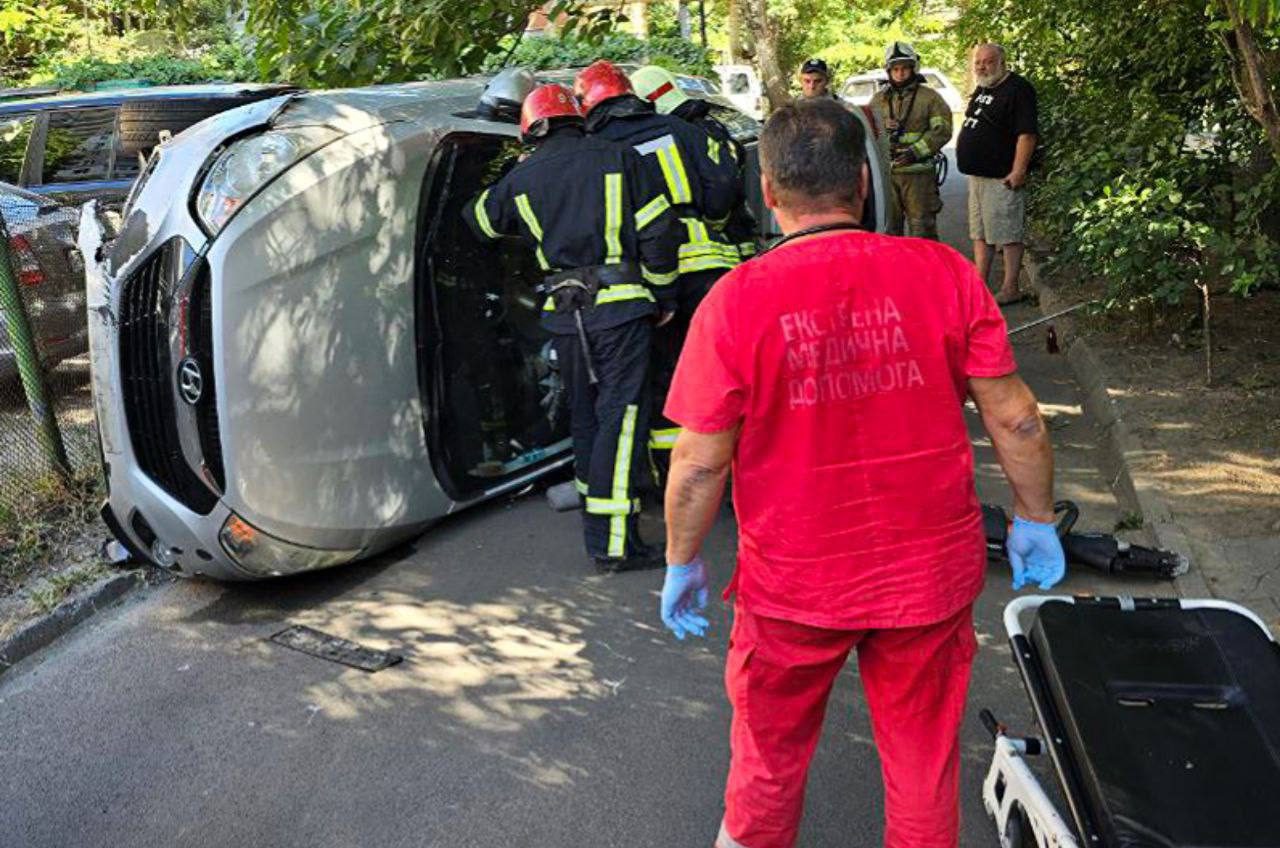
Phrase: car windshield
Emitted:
{"points": [[79, 145]]}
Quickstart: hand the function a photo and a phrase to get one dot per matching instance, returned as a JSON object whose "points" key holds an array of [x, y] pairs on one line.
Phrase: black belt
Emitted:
{"points": [[595, 277], [574, 290]]}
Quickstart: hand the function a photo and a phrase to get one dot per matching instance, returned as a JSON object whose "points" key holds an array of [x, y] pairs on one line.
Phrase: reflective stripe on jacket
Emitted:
{"points": [[583, 202], [700, 175]]}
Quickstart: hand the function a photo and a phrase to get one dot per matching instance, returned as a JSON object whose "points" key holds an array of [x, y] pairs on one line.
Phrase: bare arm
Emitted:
{"points": [[1021, 160], [1011, 417], [699, 468]]}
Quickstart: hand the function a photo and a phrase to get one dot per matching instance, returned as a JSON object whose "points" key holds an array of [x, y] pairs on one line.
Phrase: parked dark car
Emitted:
{"points": [[50, 276], [77, 147]]}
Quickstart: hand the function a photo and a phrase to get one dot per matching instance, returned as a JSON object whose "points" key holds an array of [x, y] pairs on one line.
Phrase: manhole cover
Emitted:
{"points": [[311, 641]]}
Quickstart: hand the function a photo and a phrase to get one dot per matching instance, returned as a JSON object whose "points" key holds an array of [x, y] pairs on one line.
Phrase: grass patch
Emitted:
{"points": [[50, 518], [1129, 521], [47, 596]]}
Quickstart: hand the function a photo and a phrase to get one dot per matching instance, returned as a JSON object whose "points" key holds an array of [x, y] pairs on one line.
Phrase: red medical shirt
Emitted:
{"points": [[845, 358]]}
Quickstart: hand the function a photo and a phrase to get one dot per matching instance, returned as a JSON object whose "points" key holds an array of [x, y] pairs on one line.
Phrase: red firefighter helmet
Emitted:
{"points": [[600, 81], [545, 103]]}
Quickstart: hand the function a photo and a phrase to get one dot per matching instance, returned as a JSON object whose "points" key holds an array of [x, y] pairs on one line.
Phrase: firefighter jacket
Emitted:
{"points": [[924, 122], [587, 204], [740, 229], [700, 177]]}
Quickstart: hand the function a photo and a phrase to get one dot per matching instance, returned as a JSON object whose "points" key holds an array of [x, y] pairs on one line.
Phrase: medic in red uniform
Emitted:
{"points": [[831, 374]]}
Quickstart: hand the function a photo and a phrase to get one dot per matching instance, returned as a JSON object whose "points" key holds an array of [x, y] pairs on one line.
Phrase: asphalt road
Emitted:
{"points": [[539, 705]]}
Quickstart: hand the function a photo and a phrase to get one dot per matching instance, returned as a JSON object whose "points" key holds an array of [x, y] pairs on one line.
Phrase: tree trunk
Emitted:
{"points": [[736, 52], [1250, 74], [682, 16], [764, 33]]}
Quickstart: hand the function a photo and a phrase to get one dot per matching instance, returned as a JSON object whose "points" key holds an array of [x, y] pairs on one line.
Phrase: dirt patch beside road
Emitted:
{"points": [[1211, 449], [1221, 469]]}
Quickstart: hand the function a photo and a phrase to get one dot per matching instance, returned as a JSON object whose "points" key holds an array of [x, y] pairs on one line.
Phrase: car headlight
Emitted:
{"points": [[246, 166], [266, 556]]}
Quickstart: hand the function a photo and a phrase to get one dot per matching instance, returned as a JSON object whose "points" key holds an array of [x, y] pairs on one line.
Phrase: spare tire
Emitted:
{"points": [[141, 121]]}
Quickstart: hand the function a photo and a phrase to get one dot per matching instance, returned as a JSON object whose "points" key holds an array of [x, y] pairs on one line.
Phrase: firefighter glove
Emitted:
{"points": [[1035, 552], [904, 155], [684, 597]]}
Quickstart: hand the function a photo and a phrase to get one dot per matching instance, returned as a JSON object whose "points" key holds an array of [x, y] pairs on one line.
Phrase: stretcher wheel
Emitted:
{"points": [[1018, 832]]}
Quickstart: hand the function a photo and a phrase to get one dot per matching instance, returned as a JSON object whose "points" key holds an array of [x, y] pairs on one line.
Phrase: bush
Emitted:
{"points": [[226, 62], [1156, 180], [675, 54]]}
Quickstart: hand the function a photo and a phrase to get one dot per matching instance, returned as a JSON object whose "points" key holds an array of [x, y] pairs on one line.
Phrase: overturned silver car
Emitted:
{"points": [[300, 354]]}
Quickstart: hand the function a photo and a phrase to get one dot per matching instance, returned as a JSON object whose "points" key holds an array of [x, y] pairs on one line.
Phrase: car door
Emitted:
{"points": [[496, 403]]}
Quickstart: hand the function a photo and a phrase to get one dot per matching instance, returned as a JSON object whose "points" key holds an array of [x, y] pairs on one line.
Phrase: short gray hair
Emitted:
{"points": [[813, 152], [991, 45]]}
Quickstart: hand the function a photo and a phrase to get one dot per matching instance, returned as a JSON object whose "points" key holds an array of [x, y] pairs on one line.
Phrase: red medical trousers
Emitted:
{"points": [[779, 675]]}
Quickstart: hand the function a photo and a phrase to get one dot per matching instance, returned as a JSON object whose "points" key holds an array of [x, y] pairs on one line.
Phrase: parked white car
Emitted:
{"points": [[740, 84], [859, 88]]}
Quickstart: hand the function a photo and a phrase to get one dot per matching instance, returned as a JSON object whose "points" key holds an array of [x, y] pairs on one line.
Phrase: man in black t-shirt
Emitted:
{"points": [[994, 150]]}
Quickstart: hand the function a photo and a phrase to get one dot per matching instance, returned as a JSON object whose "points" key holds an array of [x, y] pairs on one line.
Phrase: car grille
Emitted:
{"points": [[200, 342], [147, 371]]}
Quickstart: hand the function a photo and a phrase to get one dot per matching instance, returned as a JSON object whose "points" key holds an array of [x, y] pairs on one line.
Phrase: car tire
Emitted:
{"points": [[142, 122]]}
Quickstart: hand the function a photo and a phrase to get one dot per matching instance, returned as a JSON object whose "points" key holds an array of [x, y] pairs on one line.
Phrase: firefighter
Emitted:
{"points": [[659, 87], [918, 121], [701, 184], [603, 232]]}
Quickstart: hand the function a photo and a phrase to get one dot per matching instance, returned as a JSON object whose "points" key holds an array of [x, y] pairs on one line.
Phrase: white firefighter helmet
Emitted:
{"points": [[503, 96], [900, 51]]}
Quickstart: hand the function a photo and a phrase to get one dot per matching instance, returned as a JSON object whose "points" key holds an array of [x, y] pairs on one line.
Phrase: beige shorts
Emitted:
{"points": [[996, 214]]}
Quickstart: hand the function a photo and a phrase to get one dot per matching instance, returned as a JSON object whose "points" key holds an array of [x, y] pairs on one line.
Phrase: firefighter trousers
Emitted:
{"points": [[668, 341], [608, 422], [779, 675], [916, 205]]}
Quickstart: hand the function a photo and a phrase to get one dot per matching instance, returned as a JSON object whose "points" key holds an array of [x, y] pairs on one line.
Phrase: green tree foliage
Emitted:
{"points": [[76, 45], [851, 35], [356, 42], [675, 54], [27, 31], [1156, 178], [224, 63]]}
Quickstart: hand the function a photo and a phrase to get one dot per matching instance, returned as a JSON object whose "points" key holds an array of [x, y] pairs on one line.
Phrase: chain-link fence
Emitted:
{"points": [[48, 440]]}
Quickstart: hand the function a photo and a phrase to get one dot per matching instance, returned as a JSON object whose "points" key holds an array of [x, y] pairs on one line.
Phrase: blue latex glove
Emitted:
{"points": [[684, 597], [1035, 552]]}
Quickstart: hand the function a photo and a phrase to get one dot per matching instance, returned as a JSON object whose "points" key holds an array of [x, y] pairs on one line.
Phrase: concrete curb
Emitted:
{"points": [[48, 628], [1124, 455]]}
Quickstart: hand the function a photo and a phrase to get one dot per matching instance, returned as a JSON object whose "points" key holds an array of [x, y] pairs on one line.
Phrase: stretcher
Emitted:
{"points": [[1161, 717]]}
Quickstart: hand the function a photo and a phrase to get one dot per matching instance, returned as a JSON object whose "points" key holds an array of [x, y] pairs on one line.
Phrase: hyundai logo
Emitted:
{"points": [[190, 380]]}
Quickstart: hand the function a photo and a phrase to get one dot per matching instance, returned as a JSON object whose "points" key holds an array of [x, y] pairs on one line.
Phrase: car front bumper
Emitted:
{"points": [[144, 515]]}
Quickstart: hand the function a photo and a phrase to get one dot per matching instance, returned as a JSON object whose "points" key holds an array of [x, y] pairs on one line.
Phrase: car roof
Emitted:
{"points": [[115, 97]]}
